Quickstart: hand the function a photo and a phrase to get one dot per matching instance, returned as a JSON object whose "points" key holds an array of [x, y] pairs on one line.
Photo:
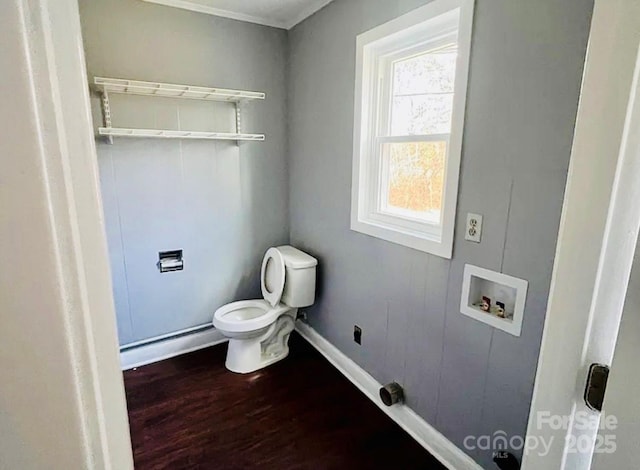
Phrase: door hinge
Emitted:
{"points": [[596, 386]]}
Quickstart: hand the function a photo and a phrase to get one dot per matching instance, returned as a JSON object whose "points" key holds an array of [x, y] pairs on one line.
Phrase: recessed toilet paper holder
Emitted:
{"points": [[169, 261]]}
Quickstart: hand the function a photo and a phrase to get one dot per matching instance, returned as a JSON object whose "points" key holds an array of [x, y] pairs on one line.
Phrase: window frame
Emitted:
{"points": [[438, 22]]}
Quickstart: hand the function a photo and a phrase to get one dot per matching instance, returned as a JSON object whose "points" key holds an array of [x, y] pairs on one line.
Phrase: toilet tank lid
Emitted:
{"points": [[296, 259]]}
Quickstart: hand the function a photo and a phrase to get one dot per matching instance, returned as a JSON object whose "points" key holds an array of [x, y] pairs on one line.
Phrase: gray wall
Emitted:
{"points": [[461, 375], [222, 204]]}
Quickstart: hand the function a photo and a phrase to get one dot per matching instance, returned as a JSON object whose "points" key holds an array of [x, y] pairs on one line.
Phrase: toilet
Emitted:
{"points": [[258, 330]]}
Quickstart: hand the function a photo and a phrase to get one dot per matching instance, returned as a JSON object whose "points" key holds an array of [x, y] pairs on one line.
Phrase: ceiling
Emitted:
{"points": [[277, 13]]}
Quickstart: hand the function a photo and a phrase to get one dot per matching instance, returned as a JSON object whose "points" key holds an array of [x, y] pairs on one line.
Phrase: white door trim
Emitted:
{"points": [[597, 236], [615, 268], [56, 138]]}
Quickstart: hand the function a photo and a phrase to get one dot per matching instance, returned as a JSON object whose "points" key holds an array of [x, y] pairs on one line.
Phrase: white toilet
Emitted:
{"points": [[258, 330]]}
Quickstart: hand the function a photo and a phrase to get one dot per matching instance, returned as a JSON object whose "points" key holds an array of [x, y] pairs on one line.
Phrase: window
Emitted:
{"points": [[409, 112]]}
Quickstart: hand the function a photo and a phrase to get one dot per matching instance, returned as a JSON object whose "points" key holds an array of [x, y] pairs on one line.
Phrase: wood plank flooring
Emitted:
{"points": [[189, 412]]}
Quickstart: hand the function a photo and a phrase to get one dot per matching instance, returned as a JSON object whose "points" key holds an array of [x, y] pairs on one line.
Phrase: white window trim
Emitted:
{"points": [[438, 241]]}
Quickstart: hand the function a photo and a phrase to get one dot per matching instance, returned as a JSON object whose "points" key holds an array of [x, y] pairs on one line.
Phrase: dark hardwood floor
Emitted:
{"points": [[191, 413]]}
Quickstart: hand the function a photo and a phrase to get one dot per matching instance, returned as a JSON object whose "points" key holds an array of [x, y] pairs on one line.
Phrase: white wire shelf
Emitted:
{"points": [[173, 134], [169, 90]]}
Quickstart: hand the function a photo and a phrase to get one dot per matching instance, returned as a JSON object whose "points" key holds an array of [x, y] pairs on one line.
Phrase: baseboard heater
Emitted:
{"points": [[172, 335], [169, 345]]}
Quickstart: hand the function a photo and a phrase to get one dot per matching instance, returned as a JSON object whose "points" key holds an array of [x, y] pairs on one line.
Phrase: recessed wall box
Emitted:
{"points": [[506, 294]]}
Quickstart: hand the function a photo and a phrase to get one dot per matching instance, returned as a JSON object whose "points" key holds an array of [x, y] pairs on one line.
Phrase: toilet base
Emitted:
{"points": [[248, 355]]}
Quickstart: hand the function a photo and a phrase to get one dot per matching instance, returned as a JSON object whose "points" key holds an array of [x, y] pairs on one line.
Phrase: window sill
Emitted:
{"points": [[422, 242]]}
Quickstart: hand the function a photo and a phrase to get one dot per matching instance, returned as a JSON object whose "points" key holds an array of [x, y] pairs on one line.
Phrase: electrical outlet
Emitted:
{"points": [[473, 232], [357, 334]]}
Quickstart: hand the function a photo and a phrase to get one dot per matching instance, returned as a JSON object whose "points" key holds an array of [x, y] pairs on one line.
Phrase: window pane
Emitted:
{"points": [[422, 97], [414, 178], [422, 114]]}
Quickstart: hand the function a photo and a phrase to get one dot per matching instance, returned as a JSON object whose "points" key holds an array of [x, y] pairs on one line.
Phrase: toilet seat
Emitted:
{"points": [[272, 276], [252, 315], [247, 315]]}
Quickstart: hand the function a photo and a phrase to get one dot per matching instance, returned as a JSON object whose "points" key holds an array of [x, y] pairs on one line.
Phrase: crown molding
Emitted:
{"points": [[199, 8], [307, 12], [191, 6]]}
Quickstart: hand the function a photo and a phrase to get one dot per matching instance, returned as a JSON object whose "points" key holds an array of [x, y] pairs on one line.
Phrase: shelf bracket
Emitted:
{"points": [[238, 120], [106, 113]]}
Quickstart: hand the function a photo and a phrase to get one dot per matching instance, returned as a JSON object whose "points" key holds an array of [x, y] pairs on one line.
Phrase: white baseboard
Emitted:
{"points": [[426, 435], [171, 347]]}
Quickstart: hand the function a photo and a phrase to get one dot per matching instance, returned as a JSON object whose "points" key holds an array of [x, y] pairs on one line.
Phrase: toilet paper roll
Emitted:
{"points": [[170, 264]]}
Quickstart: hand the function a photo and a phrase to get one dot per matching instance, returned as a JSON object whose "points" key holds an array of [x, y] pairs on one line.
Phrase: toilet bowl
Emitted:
{"points": [[258, 330]]}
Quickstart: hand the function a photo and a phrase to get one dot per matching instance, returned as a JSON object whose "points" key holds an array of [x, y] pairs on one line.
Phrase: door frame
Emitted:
{"points": [[56, 141], [596, 244]]}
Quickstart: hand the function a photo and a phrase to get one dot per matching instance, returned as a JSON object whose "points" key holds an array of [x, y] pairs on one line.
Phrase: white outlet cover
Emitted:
{"points": [[473, 230]]}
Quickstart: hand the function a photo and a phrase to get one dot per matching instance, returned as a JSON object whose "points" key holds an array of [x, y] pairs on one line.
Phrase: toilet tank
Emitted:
{"points": [[300, 278]]}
